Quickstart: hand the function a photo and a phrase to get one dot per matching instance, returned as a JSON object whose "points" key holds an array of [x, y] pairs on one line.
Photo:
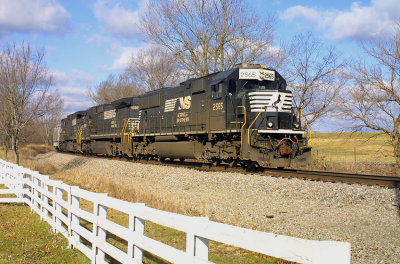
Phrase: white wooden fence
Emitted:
{"points": [[59, 204]]}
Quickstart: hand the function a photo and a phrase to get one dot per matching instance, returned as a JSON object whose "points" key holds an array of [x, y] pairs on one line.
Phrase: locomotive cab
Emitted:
{"points": [[272, 125]]}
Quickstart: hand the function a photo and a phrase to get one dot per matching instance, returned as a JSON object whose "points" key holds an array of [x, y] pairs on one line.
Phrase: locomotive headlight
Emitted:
{"points": [[270, 124], [296, 125]]}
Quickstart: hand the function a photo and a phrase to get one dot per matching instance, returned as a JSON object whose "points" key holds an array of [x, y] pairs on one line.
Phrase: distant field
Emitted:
{"points": [[352, 147]]}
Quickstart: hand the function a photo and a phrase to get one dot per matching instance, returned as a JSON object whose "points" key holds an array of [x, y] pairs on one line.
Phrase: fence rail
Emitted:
{"points": [[59, 204]]}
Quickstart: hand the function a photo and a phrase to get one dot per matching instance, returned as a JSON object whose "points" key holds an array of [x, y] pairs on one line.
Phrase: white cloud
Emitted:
{"points": [[97, 39], [83, 78], [46, 16], [308, 14], [73, 89], [59, 77], [75, 98], [373, 20], [119, 21], [122, 61], [123, 55]]}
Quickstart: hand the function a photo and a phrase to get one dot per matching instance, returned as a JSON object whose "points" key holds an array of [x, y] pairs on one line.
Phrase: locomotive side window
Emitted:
{"points": [[232, 87], [216, 91]]}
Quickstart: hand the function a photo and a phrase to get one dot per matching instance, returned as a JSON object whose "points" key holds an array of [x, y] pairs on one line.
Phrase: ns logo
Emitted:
{"points": [[185, 103]]}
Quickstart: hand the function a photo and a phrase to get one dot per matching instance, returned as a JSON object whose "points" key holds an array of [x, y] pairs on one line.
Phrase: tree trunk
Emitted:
{"points": [[396, 148], [5, 146], [14, 146]]}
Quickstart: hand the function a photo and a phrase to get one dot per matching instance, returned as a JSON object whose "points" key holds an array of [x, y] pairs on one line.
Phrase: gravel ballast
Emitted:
{"points": [[366, 216]]}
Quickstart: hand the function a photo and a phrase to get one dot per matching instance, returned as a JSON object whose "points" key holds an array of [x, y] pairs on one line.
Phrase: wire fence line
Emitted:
{"points": [[59, 204]]}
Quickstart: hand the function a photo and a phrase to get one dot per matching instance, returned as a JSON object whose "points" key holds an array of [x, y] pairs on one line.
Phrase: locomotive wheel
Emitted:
{"points": [[248, 164], [216, 162], [233, 163]]}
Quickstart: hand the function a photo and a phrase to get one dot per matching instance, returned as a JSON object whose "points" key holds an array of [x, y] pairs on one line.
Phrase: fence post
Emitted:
{"points": [[100, 232], [20, 180], [75, 204], [45, 198], [58, 195], [36, 192], [137, 225], [27, 186], [195, 245]]}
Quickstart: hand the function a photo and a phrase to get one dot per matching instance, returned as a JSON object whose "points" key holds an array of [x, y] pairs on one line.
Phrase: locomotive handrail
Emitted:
{"points": [[241, 129], [79, 135], [131, 132], [123, 130], [248, 130], [309, 129]]}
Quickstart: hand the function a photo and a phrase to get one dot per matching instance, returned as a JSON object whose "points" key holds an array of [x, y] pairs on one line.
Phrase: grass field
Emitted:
{"points": [[25, 239], [352, 147]]}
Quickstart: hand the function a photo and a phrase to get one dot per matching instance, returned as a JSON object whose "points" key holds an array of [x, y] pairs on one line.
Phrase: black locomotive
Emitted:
{"points": [[240, 116]]}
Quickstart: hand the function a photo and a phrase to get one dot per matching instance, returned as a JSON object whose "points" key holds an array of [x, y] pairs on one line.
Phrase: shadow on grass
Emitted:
{"points": [[13, 204]]}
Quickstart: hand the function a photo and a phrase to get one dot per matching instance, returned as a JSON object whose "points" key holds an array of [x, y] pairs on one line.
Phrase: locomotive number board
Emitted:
{"points": [[256, 74]]}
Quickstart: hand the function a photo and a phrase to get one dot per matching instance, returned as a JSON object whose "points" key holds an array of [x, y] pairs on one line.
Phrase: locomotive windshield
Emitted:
{"points": [[262, 85]]}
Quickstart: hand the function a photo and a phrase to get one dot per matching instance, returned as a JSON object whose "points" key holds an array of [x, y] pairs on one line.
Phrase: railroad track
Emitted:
{"points": [[327, 176], [351, 178]]}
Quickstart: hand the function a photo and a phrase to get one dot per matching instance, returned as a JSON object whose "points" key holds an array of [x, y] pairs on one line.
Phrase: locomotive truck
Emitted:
{"points": [[244, 116]]}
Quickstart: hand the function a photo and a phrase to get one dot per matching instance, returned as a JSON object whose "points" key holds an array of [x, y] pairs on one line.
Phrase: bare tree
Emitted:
{"points": [[207, 35], [5, 143], [315, 74], [154, 68], [5, 121], [113, 88], [374, 101], [24, 84], [53, 107]]}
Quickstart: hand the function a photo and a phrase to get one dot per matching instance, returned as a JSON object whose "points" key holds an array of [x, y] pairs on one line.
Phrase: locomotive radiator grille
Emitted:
{"points": [[270, 101]]}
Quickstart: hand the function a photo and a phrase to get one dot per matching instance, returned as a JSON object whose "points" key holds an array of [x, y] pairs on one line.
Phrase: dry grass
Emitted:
{"points": [[32, 150], [353, 147], [27, 152], [121, 191], [368, 153]]}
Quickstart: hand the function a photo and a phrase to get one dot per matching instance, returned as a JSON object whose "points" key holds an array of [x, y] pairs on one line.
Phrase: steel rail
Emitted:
{"points": [[364, 179]]}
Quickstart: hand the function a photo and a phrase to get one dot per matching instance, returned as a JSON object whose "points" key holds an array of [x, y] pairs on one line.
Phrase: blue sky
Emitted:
{"points": [[87, 40]]}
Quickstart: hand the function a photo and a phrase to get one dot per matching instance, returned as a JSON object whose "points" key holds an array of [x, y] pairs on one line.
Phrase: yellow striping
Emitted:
{"points": [[248, 130], [123, 130], [79, 135], [309, 129], [241, 129]]}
